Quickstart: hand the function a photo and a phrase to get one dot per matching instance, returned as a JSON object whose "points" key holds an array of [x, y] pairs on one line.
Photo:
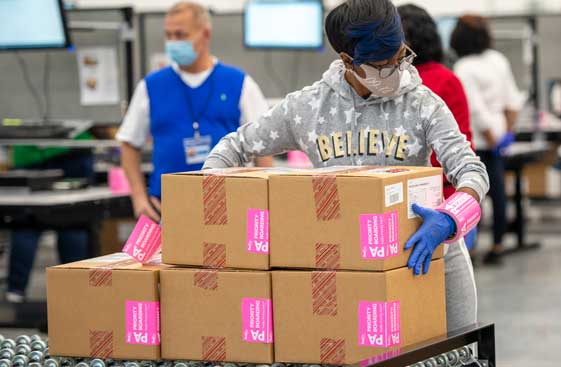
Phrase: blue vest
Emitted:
{"points": [[216, 106]]}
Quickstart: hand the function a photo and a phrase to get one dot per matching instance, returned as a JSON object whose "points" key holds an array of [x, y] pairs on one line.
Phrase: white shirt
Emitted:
{"points": [[490, 88], [135, 128]]}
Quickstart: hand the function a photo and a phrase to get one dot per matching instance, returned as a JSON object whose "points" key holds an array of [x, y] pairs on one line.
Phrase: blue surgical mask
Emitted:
{"points": [[181, 52]]}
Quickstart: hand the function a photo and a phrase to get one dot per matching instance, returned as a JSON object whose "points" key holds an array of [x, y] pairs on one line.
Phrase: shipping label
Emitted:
{"points": [[379, 235], [257, 320], [426, 192], [145, 240], [142, 323], [379, 324], [257, 231]]}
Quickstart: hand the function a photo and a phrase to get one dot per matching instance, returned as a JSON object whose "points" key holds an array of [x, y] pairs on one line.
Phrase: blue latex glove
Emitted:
{"points": [[437, 227], [470, 238], [504, 143]]}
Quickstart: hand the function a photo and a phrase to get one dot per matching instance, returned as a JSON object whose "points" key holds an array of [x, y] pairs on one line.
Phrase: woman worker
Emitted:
{"points": [[372, 102], [494, 102]]}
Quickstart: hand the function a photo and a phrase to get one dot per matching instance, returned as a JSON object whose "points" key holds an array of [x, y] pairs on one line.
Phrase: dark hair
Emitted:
{"points": [[367, 30], [421, 34], [470, 36]]}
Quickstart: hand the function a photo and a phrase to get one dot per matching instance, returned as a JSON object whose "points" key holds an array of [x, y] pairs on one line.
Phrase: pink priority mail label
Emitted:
{"points": [[379, 324], [257, 231], [257, 320], [379, 235], [142, 322], [145, 240]]}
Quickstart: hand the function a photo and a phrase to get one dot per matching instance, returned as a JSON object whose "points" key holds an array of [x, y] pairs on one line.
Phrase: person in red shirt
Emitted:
{"points": [[422, 36]]}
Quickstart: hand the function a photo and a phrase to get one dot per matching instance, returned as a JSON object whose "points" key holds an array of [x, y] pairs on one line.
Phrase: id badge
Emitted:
{"points": [[197, 149]]}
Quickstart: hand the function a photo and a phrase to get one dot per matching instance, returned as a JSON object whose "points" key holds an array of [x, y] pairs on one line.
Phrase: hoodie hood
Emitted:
{"points": [[334, 77]]}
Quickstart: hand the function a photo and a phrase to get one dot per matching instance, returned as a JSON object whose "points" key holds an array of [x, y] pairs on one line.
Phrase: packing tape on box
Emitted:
{"points": [[214, 348], [324, 293], [215, 208], [206, 279], [326, 194], [328, 256], [214, 255], [332, 351], [101, 344], [326, 197], [102, 276]]}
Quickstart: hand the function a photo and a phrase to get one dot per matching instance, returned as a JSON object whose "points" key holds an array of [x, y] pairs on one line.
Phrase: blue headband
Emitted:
{"points": [[376, 41]]}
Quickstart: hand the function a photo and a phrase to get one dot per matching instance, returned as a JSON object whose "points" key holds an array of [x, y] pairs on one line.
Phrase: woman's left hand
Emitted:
{"points": [[437, 227]]}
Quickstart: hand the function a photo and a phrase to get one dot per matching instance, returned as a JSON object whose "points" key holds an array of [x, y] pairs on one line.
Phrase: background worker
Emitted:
{"points": [[186, 107]]}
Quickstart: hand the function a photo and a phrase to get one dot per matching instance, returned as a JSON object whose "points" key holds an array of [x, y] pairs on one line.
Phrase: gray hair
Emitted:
{"points": [[200, 13]]}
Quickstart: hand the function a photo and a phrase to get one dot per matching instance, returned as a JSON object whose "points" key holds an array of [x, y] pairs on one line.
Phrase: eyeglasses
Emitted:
{"points": [[403, 63]]}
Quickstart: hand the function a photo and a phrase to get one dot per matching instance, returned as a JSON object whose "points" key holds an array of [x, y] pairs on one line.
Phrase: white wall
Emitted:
{"points": [[436, 7]]}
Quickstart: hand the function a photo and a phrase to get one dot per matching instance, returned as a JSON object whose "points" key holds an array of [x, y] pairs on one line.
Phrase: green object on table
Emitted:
{"points": [[29, 155]]}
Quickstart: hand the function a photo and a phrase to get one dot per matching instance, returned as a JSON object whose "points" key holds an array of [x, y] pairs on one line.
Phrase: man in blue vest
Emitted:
{"points": [[186, 107]]}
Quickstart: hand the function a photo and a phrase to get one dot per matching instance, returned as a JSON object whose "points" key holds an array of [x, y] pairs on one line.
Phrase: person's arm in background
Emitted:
{"points": [[480, 120], [133, 134], [252, 106], [513, 97], [271, 134]]}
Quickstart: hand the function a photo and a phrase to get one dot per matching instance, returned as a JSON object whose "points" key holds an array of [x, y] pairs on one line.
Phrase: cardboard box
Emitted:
{"points": [[357, 218], [216, 315], [216, 218], [343, 317], [106, 307]]}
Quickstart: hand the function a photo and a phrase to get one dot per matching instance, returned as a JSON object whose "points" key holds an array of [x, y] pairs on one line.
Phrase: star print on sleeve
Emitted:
{"points": [[297, 120], [274, 135], [414, 149], [407, 115], [258, 146], [321, 120], [312, 136], [359, 162], [333, 111], [419, 127]]}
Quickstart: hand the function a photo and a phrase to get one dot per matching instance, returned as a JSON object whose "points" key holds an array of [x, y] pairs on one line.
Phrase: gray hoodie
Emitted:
{"points": [[334, 126]]}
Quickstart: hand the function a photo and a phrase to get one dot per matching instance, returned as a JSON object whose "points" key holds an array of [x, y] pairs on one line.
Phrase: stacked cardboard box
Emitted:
{"points": [[350, 226], [338, 291], [106, 307], [347, 224], [217, 221]]}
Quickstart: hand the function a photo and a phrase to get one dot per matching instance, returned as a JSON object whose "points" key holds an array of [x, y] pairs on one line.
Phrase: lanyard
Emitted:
{"points": [[196, 116]]}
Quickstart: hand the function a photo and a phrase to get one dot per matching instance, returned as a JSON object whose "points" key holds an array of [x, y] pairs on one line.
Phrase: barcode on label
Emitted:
{"points": [[394, 194]]}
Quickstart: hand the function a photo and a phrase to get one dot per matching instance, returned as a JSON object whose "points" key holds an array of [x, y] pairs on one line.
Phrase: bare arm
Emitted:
{"points": [[131, 160], [511, 118]]}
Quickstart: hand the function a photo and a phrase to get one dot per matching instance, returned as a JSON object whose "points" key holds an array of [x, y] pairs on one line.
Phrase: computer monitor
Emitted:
{"points": [[445, 26], [277, 24], [32, 24]]}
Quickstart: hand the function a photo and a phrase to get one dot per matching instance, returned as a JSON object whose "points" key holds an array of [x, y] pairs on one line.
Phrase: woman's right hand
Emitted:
{"points": [[149, 207]]}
